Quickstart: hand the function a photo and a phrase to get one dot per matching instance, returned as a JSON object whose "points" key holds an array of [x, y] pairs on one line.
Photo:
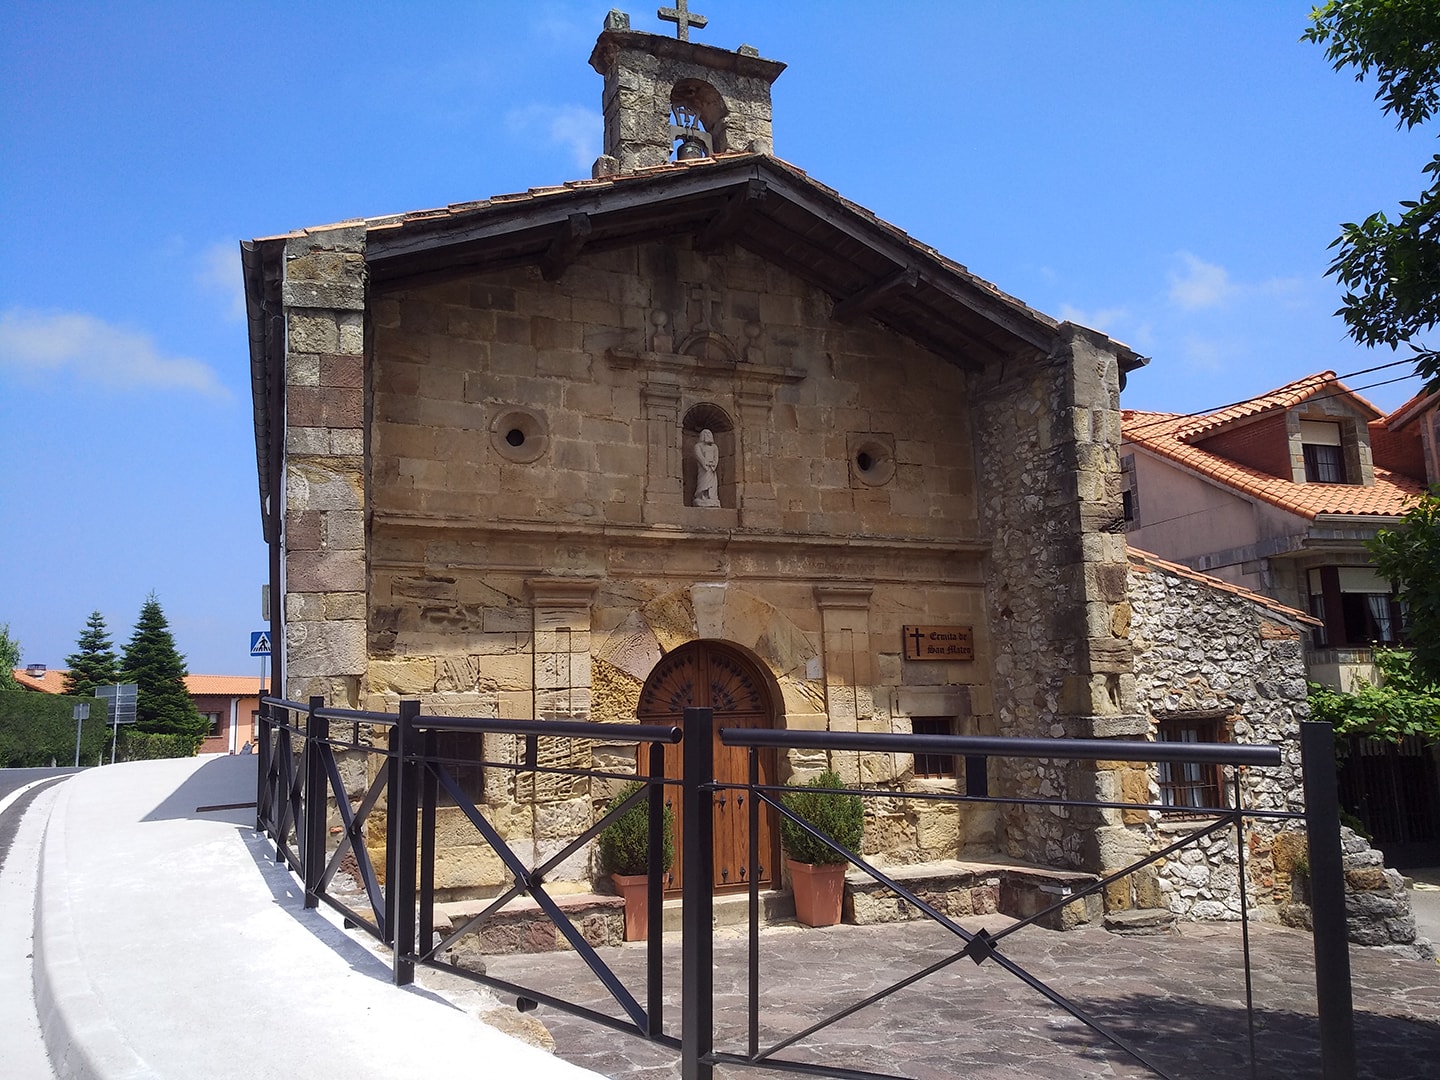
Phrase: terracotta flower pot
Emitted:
{"points": [[634, 888], [819, 890]]}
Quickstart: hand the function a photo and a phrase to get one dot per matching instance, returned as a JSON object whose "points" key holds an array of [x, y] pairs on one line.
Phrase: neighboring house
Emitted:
{"points": [[232, 705], [230, 702], [1279, 494]]}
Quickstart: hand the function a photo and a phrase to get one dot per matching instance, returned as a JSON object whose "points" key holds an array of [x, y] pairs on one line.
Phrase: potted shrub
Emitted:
{"points": [[625, 856], [817, 872]]}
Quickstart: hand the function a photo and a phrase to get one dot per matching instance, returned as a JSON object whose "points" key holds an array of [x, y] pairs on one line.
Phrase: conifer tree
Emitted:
{"points": [[151, 661], [9, 659], [94, 662]]}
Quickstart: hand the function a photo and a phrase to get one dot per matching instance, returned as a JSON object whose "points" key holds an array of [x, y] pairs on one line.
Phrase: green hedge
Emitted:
{"points": [[36, 729], [147, 746]]}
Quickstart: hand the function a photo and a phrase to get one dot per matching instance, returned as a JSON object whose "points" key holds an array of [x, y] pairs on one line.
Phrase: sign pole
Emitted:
{"points": [[115, 724], [82, 713]]}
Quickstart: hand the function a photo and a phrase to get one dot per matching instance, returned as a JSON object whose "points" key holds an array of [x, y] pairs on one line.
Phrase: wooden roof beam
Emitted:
{"points": [[857, 304], [570, 240], [738, 207]]}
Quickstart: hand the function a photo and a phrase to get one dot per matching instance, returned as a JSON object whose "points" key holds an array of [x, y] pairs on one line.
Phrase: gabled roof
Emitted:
{"points": [[1172, 436], [1413, 409], [872, 268], [1146, 560], [1283, 397]]}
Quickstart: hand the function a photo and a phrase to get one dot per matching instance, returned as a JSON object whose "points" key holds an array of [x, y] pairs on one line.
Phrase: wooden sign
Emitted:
{"points": [[939, 642]]}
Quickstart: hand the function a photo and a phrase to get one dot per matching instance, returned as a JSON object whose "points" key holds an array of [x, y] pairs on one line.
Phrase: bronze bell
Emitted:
{"points": [[691, 148]]}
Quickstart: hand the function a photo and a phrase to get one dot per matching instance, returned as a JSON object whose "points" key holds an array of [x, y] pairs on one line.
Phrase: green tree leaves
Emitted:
{"points": [[1390, 269], [9, 659], [1400, 705], [1409, 555]]}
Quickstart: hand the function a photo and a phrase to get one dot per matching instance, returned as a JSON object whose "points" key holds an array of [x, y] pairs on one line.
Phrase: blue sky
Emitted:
{"points": [[1170, 173]]}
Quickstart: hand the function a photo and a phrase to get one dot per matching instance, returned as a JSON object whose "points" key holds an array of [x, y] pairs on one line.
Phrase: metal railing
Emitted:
{"points": [[296, 794]]}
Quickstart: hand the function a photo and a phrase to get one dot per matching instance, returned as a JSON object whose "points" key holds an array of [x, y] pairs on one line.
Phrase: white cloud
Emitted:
{"points": [[1106, 320], [1199, 284], [219, 271], [574, 127], [96, 351], [1206, 354]]}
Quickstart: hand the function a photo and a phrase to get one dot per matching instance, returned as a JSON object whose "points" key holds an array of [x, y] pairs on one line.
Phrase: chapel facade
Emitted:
{"points": [[697, 430]]}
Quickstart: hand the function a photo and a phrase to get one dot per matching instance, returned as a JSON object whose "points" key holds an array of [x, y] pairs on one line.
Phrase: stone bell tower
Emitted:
{"points": [[670, 98]]}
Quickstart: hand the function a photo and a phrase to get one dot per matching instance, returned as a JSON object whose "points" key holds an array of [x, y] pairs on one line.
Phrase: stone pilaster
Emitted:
{"points": [[325, 492]]}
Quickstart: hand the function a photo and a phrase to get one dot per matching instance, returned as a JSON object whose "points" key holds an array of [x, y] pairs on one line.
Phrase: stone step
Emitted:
{"points": [[1141, 922], [961, 888]]}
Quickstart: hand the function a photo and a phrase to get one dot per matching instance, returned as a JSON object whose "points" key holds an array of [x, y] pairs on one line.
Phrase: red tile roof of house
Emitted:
{"points": [[1171, 435], [1280, 398], [224, 685], [53, 682], [1146, 560]]}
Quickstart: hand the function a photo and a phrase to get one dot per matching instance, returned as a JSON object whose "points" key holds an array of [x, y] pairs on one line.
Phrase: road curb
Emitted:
{"points": [[82, 1040]]}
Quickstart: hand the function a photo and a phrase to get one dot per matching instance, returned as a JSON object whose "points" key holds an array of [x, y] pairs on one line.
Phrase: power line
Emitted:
{"points": [[1170, 418]]}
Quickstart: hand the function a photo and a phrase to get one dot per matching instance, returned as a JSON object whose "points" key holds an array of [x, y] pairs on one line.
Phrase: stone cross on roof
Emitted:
{"points": [[683, 19]]}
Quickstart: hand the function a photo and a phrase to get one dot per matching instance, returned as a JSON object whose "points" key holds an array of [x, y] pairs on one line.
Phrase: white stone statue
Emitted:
{"points": [[707, 461]]}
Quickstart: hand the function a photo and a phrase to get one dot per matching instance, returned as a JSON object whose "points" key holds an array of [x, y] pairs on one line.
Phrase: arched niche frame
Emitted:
{"points": [[707, 416], [697, 119]]}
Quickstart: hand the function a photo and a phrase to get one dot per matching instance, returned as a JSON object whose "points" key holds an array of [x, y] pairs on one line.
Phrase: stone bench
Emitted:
{"points": [[962, 888]]}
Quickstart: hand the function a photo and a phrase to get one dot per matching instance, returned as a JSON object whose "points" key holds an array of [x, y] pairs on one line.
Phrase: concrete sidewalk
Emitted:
{"points": [[168, 944]]}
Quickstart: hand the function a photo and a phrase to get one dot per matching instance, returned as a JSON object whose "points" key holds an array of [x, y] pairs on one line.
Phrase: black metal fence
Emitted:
{"points": [[300, 788]]}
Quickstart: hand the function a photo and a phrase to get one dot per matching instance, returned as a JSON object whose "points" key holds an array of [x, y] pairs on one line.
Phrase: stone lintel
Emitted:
{"points": [[851, 597], [557, 592]]}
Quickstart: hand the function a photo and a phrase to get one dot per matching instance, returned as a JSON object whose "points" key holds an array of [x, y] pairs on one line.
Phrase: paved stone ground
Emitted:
{"points": [[1180, 999]]}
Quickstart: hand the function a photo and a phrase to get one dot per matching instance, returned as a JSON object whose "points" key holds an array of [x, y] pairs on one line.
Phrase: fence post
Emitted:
{"points": [[655, 895], [697, 942], [312, 832], [1327, 902], [262, 767], [405, 798]]}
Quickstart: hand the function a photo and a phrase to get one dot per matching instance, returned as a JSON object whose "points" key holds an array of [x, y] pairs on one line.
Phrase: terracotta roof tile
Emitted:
{"points": [[1281, 398], [1165, 434], [1154, 562], [51, 682], [226, 685]]}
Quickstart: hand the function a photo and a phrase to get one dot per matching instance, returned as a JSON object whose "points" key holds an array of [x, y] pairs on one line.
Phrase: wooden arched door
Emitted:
{"points": [[707, 674]]}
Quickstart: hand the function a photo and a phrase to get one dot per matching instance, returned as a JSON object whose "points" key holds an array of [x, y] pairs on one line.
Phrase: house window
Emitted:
{"points": [[1129, 493], [1356, 606], [1190, 783], [1324, 453], [933, 766], [217, 723]]}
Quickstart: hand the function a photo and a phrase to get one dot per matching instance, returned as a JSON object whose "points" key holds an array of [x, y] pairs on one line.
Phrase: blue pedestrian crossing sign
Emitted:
{"points": [[260, 643]]}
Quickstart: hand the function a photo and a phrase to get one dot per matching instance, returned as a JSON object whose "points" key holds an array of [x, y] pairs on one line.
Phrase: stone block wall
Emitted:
{"points": [[1047, 442], [325, 484], [812, 564]]}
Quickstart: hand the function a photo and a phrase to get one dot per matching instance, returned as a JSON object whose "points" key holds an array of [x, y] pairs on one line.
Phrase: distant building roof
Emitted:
{"points": [[227, 685], [1172, 436], [53, 682]]}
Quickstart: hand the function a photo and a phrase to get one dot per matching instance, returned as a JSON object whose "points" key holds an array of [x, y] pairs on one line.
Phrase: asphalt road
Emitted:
{"points": [[18, 788]]}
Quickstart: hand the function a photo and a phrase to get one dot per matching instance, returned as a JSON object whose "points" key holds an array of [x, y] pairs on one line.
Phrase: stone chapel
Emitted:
{"points": [[697, 430]]}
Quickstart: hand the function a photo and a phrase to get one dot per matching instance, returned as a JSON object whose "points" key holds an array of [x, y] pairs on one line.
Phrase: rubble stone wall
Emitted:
{"points": [[1205, 648]]}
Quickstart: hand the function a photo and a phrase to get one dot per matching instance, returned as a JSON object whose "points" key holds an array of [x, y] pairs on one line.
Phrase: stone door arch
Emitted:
{"points": [[711, 674]]}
